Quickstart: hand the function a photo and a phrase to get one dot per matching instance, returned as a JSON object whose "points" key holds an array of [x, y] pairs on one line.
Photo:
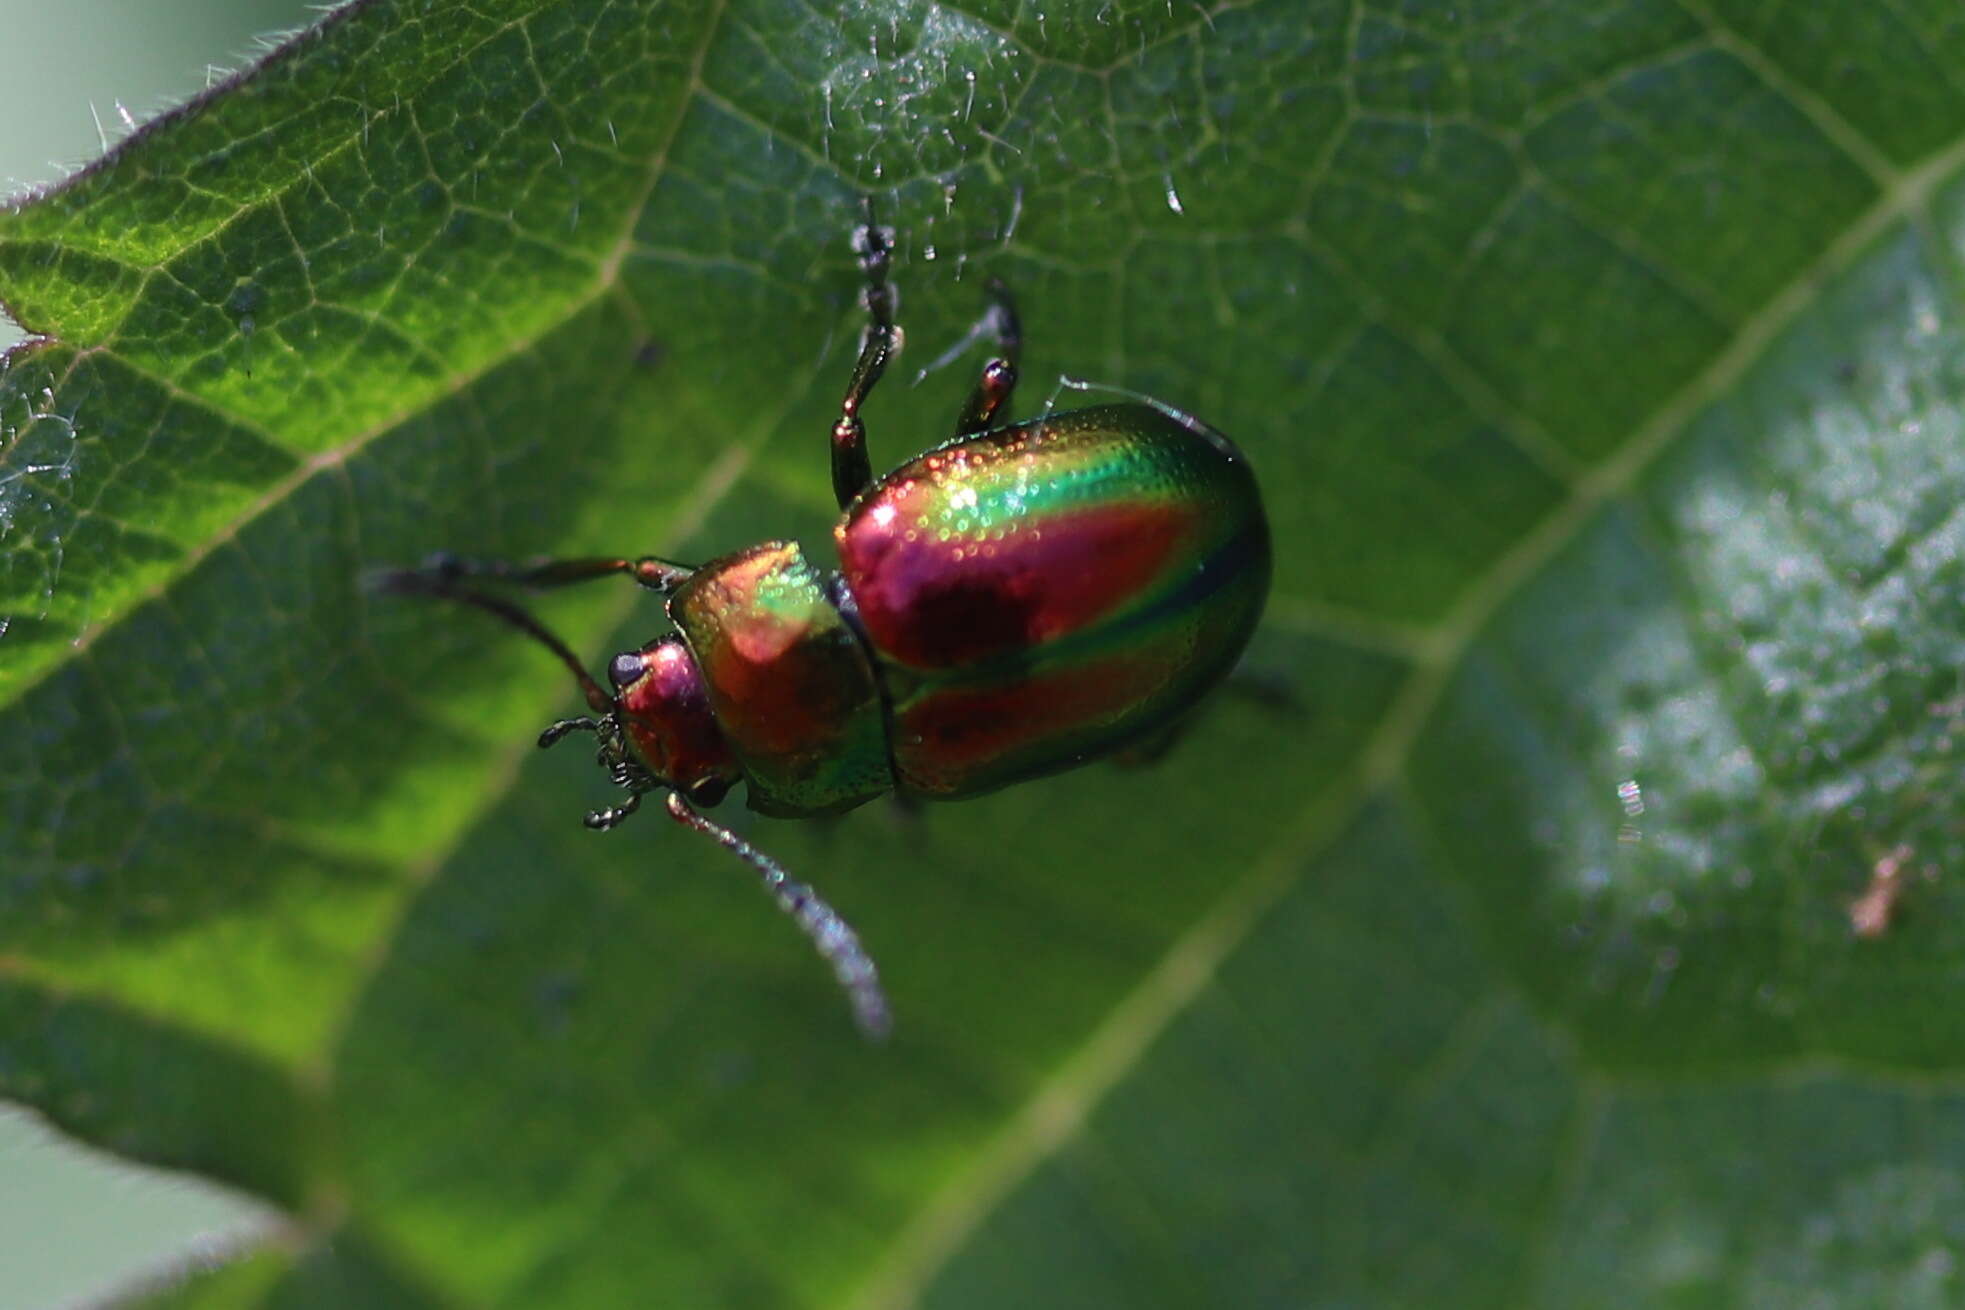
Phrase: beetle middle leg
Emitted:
{"points": [[999, 375], [852, 471]]}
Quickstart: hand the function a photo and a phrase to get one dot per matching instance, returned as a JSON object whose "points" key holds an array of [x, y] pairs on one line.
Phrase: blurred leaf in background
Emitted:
{"points": [[1600, 362]]}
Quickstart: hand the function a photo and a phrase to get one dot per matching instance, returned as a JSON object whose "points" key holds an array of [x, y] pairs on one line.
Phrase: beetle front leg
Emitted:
{"points": [[999, 375], [602, 820], [852, 471], [433, 583], [543, 574]]}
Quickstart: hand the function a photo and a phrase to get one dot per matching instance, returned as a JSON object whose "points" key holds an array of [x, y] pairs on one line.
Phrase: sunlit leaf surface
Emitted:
{"points": [[1601, 363]]}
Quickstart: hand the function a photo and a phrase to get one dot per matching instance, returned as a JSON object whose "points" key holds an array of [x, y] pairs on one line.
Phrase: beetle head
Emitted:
{"points": [[664, 713], [657, 732]]}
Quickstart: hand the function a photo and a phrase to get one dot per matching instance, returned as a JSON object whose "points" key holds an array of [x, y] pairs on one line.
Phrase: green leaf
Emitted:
{"points": [[1601, 364]]}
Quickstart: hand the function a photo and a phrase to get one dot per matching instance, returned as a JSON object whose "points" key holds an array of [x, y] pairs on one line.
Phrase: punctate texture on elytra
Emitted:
{"points": [[1042, 591]]}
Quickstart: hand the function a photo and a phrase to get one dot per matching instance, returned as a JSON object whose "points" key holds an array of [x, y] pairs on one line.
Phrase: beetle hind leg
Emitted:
{"points": [[1267, 691]]}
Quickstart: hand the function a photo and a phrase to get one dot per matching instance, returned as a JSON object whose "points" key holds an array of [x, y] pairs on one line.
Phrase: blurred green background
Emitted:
{"points": [[75, 1223]]}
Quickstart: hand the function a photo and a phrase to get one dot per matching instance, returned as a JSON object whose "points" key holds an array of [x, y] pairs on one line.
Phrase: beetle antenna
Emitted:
{"points": [[410, 582], [1180, 416], [833, 937]]}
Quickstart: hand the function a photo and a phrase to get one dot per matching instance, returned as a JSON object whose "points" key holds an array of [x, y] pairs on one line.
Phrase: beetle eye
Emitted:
{"points": [[625, 668], [709, 792]]}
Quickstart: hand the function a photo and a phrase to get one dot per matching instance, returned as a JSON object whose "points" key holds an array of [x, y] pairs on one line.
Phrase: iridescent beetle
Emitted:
{"points": [[1015, 602]]}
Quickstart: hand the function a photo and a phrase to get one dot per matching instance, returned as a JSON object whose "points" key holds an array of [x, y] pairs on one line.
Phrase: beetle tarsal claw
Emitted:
{"points": [[602, 820], [555, 732]]}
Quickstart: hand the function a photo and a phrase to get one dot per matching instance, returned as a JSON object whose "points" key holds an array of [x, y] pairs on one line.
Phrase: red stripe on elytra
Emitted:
{"points": [[943, 742], [934, 604]]}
